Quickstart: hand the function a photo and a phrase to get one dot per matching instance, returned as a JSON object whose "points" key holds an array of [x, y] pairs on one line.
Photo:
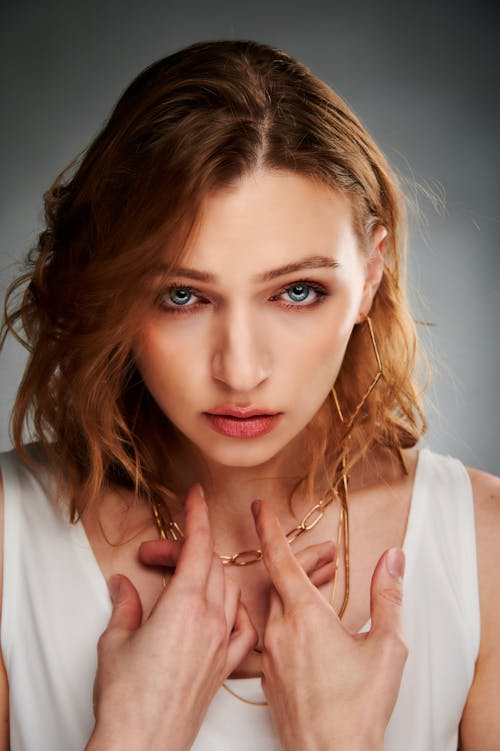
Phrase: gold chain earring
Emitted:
{"points": [[378, 375], [344, 507]]}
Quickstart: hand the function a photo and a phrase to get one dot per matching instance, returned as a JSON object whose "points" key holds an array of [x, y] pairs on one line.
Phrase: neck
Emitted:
{"points": [[229, 492]]}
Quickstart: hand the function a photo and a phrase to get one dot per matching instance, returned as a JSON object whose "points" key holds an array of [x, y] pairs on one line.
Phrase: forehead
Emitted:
{"points": [[269, 219]]}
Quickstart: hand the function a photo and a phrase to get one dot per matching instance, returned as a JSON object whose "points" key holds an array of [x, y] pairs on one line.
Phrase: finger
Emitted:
{"points": [[127, 609], [318, 556], [231, 602], [275, 608], [160, 553], [216, 583], [243, 639], [195, 560], [287, 575], [387, 593], [314, 557], [323, 575]]}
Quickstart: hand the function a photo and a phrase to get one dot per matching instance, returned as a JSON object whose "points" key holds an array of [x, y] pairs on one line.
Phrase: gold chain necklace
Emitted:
{"points": [[248, 557]]}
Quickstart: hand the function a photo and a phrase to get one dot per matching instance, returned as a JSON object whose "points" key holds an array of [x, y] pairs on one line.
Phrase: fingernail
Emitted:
{"points": [[202, 492], [114, 587], [256, 509], [395, 562]]}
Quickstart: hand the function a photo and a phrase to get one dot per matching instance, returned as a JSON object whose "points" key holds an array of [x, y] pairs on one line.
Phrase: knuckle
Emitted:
{"points": [[392, 595], [274, 637], [249, 634], [253, 634], [395, 646], [400, 646], [269, 640], [104, 643]]}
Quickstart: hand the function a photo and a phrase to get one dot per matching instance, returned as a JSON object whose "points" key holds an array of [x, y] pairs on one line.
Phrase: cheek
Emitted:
{"points": [[326, 352], [325, 336], [313, 362], [164, 362], [329, 340]]}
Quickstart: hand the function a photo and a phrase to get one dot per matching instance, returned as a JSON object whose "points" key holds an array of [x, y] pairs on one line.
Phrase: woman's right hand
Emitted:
{"points": [[156, 680]]}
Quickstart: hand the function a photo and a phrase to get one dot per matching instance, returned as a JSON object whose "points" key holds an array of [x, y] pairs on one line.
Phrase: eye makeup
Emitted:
{"points": [[183, 299], [301, 291]]}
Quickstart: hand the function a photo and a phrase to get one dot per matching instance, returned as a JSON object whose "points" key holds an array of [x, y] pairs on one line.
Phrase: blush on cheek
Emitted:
{"points": [[152, 349]]}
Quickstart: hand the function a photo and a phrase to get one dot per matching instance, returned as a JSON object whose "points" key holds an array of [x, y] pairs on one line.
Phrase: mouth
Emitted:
{"points": [[242, 422]]}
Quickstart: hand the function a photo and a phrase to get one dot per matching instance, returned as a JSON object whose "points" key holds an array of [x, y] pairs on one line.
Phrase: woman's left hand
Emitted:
{"points": [[328, 688]]}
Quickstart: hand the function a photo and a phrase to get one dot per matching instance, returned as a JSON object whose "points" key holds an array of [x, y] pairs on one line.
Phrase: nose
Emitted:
{"points": [[241, 357]]}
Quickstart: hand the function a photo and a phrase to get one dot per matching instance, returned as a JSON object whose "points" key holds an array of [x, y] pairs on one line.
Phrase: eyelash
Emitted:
{"points": [[320, 291], [321, 294]]}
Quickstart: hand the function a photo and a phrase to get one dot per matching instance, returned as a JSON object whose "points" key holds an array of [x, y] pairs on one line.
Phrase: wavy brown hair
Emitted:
{"points": [[189, 124]]}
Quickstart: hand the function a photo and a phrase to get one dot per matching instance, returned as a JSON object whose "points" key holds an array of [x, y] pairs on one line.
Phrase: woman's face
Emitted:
{"points": [[245, 341]]}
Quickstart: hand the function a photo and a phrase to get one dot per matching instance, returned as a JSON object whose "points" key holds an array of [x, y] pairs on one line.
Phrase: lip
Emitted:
{"points": [[243, 423], [234, 410]]}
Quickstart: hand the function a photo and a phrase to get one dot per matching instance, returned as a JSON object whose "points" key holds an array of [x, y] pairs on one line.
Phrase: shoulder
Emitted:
{"points": [[486, 493], [481, 721]]}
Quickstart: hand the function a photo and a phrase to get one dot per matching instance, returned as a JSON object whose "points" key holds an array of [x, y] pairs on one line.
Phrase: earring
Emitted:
{"points": [[376, 379], [344, 505]]}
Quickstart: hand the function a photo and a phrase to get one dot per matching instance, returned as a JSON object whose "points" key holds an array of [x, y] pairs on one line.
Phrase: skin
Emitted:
{"points": [[244, 345], [209, 636], [135, 687]]}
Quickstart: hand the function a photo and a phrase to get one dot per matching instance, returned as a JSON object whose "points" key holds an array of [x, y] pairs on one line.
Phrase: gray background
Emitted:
{"points": [[423, 79]]}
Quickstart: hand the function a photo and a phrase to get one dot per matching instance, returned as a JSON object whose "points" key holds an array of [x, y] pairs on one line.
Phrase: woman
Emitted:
{"points": [[216, 313]]}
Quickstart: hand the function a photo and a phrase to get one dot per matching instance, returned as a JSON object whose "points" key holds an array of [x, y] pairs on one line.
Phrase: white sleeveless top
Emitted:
{"points": [[56, 605]]}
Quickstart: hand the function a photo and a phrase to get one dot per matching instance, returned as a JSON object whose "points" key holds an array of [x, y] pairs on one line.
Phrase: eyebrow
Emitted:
{"points": [[311, 262]]}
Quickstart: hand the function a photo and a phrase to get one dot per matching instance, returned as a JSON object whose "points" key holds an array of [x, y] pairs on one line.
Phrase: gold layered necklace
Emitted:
{"points": [[248, 557]]}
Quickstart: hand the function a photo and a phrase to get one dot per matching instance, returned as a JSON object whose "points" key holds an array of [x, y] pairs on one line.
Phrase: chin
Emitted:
{"points": [[242, 456], [245, 454], [242, 453]]}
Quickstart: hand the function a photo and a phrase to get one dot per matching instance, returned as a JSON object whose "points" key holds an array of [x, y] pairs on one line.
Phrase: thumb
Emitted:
{"points": [[386, 595], [127, 608]]}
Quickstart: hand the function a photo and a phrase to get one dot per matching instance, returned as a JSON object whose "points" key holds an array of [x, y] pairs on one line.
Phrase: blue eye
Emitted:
{"points": [[179, 296], [298, 293], [301, 295]]}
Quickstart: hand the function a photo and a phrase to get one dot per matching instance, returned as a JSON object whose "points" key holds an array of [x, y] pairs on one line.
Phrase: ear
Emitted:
{"points": [[374, 270]]}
